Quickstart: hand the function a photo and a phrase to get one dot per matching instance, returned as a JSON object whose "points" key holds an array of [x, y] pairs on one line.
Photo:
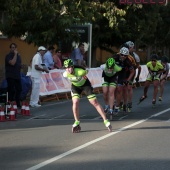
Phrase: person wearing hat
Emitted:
{"points": [[48, 58], [57, 59], [36, 72], [155, 69]]}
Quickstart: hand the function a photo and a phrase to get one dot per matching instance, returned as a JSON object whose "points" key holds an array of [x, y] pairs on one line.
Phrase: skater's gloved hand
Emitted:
{"points": [[154, 73], [137, 79], [126, 83]]}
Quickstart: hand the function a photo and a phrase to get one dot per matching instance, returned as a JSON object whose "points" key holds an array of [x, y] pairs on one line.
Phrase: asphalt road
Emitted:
{"points": [[139, 141]]}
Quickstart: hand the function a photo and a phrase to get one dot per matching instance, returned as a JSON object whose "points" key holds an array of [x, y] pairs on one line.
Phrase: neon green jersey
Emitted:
{"points": [[78, 78], [157, 67], [111, 73]]}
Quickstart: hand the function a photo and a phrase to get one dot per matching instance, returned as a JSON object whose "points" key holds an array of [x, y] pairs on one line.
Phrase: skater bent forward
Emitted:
{"points": [[80, 83]]}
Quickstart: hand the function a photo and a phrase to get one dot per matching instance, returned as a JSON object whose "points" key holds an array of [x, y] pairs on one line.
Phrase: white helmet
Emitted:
{"points": [[124, 51], [130, 44]]}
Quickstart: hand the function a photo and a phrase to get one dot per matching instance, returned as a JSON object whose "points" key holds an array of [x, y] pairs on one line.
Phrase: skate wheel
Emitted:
{"points": [[76, 129]]}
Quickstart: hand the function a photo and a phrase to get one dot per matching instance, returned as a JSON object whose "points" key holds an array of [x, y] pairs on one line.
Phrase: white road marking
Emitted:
{"points": [[83, 116], [123, 117], [96, 118], [36, 117], [42, 164], [56, 117]]}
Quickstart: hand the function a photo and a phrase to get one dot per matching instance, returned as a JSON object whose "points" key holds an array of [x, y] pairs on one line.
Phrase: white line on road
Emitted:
{"points": [[36, 117], [42, 164], [57, 117], [83, 116]]}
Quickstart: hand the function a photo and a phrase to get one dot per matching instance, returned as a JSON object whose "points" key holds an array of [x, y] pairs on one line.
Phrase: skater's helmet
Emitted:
{"points": [[68, 63], [124, 51], [154, 57], [164, 59], [130, 44], [110, 63]]}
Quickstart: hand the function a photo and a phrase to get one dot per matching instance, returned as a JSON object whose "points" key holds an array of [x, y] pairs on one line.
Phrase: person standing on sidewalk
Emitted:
{"points": [[13, 74], [36, 72]]}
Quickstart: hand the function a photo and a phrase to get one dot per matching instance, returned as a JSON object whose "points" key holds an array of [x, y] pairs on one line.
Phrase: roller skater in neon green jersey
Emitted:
{"points": [[155, 69], [109, 83], [80, 83]]}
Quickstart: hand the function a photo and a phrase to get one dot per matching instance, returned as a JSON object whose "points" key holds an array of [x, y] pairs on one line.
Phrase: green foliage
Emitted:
{"points": [[44, 22]]}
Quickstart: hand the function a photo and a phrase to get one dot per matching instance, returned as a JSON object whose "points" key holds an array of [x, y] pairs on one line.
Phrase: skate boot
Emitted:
{"points": [[160, 99], [142, 99], [153, 103], [129, 107], [124, 109], [108, 125], [116, 111], [106, 109], [76, 127]]}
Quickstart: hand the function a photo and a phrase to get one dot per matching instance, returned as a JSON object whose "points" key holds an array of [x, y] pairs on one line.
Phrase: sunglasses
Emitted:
{"points": [[59, 52], [123, 55], [154, 60]]}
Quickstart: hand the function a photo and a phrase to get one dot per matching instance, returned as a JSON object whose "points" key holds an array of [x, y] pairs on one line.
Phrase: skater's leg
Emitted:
{"points": [[98, 107], [162, 83], [100, 110], [155, 92], [75, 108], [146, 87], [106, 98]]}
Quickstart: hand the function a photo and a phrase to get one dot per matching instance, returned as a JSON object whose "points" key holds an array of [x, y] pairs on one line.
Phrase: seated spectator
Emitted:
{"points": [[57, 59], [48, 58]]}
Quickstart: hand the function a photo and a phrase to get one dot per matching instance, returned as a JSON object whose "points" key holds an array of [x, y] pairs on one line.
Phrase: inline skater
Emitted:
{"points": [[109, 82], [164, 62], [155, 69], [124, 77], [136, 63], [80, 83]]}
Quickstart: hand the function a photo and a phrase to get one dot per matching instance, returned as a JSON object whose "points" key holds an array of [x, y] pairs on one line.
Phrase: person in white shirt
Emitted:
{"points": [[36, 71]]}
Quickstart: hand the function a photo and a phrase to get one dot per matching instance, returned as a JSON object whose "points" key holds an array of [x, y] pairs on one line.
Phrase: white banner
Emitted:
{"points": [[54, 82]]}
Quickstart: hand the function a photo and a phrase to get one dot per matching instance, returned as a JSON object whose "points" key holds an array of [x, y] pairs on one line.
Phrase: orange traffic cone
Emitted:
{"points": [[2, 115], [12, 114], [15, 107], [27, 109], [23, 108]]}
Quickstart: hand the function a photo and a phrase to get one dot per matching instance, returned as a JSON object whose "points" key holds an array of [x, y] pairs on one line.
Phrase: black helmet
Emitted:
{"points": [[164, 59], [154, 57]]}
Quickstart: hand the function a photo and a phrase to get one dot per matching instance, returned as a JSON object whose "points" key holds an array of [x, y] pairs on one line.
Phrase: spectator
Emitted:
{"points": [[36, 71], [57, 59], [12, 72], [48, 58], [77, 55]]}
